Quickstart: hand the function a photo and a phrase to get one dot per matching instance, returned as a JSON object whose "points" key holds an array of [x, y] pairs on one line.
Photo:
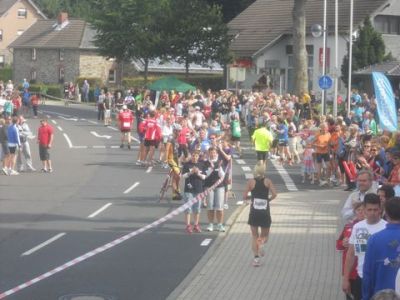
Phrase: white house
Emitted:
{"points": [[263, 40]]}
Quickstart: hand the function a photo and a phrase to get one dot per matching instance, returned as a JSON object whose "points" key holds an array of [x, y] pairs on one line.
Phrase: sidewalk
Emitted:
{"points": [[300, 262]]}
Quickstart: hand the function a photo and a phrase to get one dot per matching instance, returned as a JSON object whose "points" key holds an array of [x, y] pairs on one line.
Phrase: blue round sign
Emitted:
{"points": [[325, 82]]}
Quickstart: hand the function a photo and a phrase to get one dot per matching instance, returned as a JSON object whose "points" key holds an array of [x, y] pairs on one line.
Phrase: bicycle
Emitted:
{"points": [[167, 184]]}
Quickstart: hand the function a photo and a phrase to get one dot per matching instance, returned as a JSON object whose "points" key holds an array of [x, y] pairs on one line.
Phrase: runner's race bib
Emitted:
{"points": [[126, 125], [360, 246], [260, 204]]}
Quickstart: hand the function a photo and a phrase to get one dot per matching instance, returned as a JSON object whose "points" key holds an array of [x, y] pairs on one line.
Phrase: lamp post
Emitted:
{"points": [[317, 30], [350, 56]]}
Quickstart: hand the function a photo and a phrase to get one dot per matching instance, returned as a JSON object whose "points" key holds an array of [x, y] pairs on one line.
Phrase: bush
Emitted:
{"points": [[6, 73], [138, 82], [51, 90], [93, 81]]}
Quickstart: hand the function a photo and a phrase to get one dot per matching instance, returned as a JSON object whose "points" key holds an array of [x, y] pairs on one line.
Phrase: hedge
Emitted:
{"points": [[49, 89], [93, 81], [6, 74]]}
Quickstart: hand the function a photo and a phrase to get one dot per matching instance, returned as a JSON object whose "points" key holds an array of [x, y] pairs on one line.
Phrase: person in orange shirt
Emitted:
{"points": [[321, 145], [333, 149]]}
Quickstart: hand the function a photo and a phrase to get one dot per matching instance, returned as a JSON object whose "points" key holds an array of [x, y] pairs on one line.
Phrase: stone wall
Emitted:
{"points": [[47, 65], [92, 65]]}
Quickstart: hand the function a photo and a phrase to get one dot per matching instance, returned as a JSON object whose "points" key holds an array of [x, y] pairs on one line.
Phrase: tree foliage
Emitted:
{"points": [[368, 49], [231, 8], [75, 8]]}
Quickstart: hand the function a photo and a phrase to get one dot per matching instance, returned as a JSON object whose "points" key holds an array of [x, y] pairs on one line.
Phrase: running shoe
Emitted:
{"points": [[43, 170], [226, 206], [129, 146], [322, 182], [13, 172], [256, 262], [197, 228], [221, 228], [4, 170], [240, 202], [189, 229], [50, 170], [210, 227]]}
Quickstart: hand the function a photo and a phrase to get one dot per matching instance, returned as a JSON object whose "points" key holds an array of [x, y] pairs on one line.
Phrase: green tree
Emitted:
{"points": [[129, 29], [197, 34], [231, 8], [75, 8], [368, 49]]}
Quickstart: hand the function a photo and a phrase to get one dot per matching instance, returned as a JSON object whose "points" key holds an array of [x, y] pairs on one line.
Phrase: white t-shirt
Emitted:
{"points": [[359, 238]]}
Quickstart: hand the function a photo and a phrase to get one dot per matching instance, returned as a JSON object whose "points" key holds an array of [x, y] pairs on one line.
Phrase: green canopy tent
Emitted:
{"points": [[171, 83]]}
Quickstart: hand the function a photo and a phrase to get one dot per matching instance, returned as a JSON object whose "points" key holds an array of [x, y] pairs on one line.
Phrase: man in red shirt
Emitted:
{"points": [[45, 141], [125, 121], [151, 136]]}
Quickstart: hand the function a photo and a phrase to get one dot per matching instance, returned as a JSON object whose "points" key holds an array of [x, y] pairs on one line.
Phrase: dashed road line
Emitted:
{"points": [[206, 242], [113, 128], [93, 122], [149, 169], [246, 168], [44, 244], [54, 122], [128, 190], [80, 147], [240, 161], [99, 147], [59, 128], [99, 210], [248, 175]]}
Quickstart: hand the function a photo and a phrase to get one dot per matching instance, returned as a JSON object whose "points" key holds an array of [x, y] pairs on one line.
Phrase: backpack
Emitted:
{"points": [[341, 151]]}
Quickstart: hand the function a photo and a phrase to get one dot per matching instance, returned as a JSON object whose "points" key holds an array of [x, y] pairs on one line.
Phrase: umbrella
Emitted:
{"points": [[171, 83]]}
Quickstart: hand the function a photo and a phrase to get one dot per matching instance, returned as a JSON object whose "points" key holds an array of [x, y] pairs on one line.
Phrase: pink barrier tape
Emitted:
{"points": [[112, 244]]}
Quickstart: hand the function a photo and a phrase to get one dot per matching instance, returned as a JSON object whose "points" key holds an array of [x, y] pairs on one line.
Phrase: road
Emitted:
{"points": [[56, 225]]}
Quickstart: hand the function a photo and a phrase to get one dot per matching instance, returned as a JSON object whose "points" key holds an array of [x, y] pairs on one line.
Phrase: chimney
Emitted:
{"points": [[62, 17]]}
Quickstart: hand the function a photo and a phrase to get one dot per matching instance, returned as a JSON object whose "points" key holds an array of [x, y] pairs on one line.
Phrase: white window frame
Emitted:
{"points": [[1, 35], [20, 32], [114, 72], [61, 54], [2, 61], [61, 74], [33, 74], [22, 13], [34, 54]]}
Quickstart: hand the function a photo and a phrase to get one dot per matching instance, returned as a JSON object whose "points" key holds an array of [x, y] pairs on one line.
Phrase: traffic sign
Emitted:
{"points": [[325, 82]]}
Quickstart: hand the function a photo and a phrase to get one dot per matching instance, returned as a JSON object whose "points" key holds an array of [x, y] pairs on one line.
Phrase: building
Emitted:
{"points": [[16, 16], [263, 40], [58, 51]]}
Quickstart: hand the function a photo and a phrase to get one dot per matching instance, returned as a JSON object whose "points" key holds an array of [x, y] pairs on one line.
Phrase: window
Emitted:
{"points": [[61, 74], [2, 61], [111, 75], [61, 54], [1, 35], [387, 24], [22, 13], [20, 32], [33, 75], [34, 54]]}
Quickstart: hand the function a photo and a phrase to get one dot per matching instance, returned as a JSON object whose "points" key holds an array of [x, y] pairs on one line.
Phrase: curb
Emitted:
{"points": [[206, 257]]}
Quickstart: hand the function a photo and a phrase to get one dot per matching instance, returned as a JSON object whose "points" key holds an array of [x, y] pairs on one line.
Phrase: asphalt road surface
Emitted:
{"points": [[95, 195]]}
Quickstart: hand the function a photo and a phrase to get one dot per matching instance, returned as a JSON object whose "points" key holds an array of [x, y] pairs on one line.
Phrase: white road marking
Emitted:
{"points": [[136, 140], [246, 168], [285, 176], [100, 136], [99, 147], [206, 242], [93, 122], [99, 210], [128, 190], [55, 113], [54, 122], [248, 176], [49, 241], [114, 147], [68, 140], [240, 161], [68, 119], [48, 116], [59, 128], [83, 119], [149, 169], [80, 147], [113, 128]]}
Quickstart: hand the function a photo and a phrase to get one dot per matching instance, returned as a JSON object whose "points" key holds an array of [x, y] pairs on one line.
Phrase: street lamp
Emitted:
{"points": [[316, 31], [350, 56]]}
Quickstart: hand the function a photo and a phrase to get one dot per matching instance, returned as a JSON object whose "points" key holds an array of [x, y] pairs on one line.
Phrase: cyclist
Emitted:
{"points": [[171, 156]]}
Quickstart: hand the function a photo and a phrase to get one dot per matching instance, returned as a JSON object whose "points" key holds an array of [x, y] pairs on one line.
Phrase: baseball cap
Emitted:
{"points": [[124, 106]]}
